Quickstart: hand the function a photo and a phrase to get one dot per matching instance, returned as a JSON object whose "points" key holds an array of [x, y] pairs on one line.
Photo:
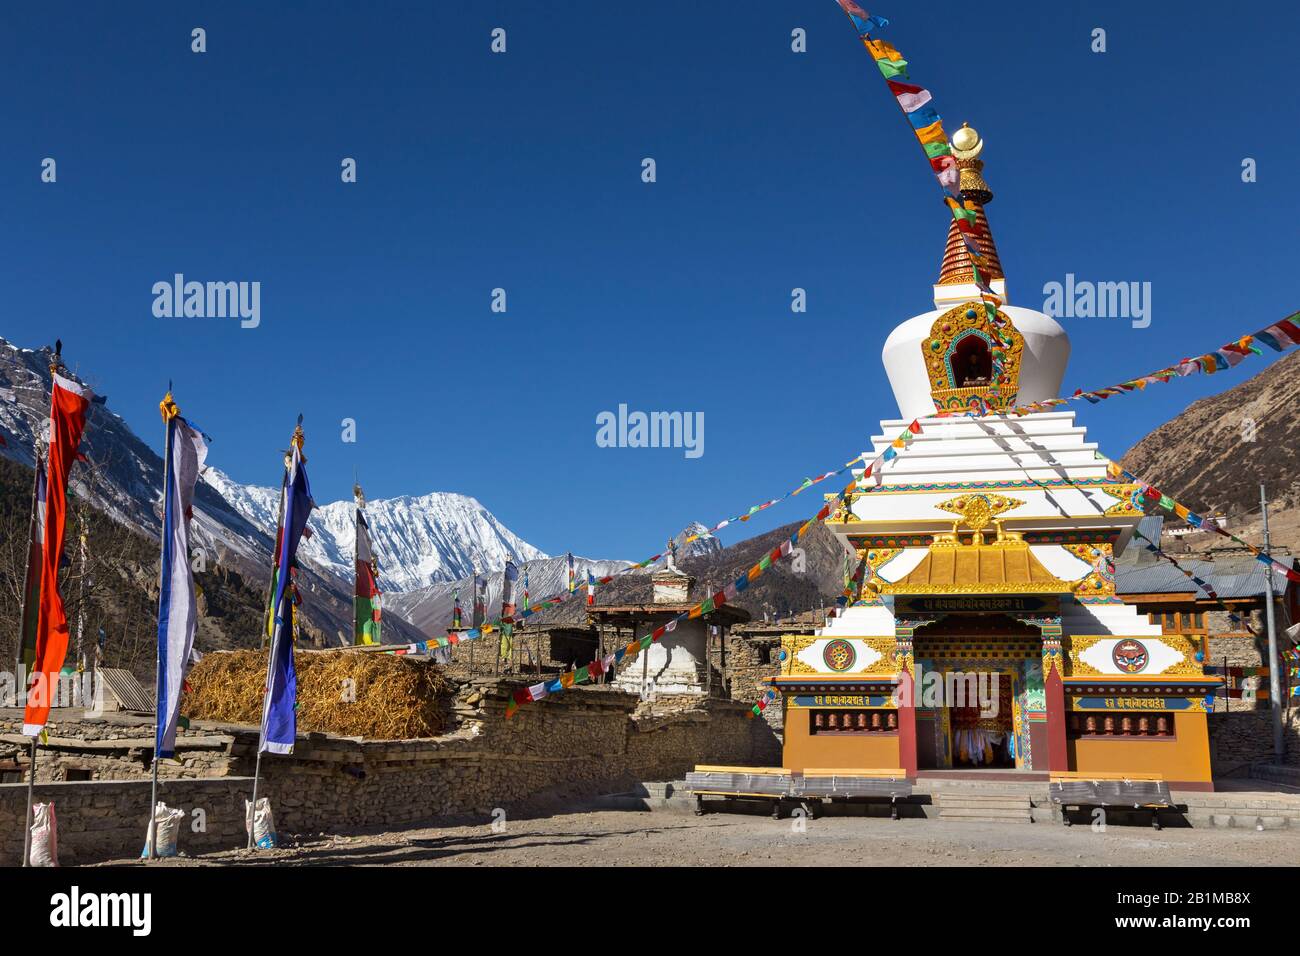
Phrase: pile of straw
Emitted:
{"points": [[389, 697]]}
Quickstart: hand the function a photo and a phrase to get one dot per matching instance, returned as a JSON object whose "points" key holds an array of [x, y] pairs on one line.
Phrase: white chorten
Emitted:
{"points": [[1053, 485]]}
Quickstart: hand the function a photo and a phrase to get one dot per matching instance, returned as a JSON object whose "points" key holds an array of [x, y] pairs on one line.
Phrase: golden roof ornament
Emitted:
{"points": [[978, 510], [966, 142]]}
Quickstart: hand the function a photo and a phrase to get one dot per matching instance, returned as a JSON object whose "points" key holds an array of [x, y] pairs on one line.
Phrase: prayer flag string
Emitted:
{"points": [[1149, 494], [1279, 336], [927, 125], [609, 663], [872, 469]]}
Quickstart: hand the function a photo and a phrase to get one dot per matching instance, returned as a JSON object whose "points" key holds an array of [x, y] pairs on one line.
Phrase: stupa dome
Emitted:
{"points": [[1041, 364]]}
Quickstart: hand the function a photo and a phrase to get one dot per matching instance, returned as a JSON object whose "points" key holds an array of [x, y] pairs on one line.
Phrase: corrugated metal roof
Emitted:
{"points": [[1138, 571], [1235, 576], [128, 690]]}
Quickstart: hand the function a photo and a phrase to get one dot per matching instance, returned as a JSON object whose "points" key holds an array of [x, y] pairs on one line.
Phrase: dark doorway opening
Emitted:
{"points": [[972, 362]]}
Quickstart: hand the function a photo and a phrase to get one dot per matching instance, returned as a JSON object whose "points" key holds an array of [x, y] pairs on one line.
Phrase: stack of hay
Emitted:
{"points": [[388, 697]]}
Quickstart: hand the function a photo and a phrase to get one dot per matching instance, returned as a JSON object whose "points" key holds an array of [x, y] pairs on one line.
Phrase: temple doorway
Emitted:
{"points": [[979, 690], [985, 736]]}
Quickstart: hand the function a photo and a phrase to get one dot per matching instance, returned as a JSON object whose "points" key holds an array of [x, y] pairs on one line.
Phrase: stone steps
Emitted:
{"points": [[1035, 790], [985, 807]]}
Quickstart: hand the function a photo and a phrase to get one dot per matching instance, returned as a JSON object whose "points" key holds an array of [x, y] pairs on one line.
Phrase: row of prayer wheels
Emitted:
{"points": [[1137, 725], [854, 721]]}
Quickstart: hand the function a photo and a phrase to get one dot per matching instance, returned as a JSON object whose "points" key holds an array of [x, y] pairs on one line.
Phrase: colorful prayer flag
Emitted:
{"points": [[176, 606], [366, 599], [909, 97], [883, 50], [68, 404], [279, 717]]}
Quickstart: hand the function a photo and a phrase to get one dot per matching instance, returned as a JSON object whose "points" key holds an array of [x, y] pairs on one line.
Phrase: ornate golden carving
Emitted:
{"points": [[1005, 346], [887, 648], [1124, 500], [877, 558], [1099, 581], [793, 645], [979, 509], [796, 644], [1035, 587]]}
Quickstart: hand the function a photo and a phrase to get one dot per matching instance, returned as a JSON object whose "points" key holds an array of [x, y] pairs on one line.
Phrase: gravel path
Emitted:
{"points": [[611, 838]]}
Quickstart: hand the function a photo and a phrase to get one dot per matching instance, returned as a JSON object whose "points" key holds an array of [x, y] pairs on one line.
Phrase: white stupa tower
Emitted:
{"points": [[988, 544], [1047, 487]]}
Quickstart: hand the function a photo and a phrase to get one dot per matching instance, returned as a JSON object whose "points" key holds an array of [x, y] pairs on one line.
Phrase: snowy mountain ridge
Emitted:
{"points": [[419, 540]]}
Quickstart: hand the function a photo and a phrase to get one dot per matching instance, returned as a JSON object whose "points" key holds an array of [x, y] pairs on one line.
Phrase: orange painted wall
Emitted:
{"points": [[803, 749], [1186, 757]]}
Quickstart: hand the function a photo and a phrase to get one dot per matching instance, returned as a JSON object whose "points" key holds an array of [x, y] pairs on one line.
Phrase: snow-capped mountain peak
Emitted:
{"points": [[419, 539]]}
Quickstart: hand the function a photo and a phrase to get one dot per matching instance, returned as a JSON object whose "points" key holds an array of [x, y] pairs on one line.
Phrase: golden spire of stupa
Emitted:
{"points": [[956, 268]]}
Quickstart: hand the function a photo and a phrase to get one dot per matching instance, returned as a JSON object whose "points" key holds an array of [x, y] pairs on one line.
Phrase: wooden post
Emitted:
{"points": [[645, 666], [708, 660], [724, 632]]}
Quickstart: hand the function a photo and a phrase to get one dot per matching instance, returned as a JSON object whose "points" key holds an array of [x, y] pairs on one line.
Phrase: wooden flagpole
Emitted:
{"points": [[250, 818], [157, 660], [55, 364], [20, 669], [19, 664]]}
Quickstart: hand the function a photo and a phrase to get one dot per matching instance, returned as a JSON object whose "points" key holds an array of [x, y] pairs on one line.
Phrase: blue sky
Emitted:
{"points": [[522, 171]]}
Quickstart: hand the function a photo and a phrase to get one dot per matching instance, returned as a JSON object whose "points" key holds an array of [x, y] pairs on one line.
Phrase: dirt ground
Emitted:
{"points": [[612, 838]]}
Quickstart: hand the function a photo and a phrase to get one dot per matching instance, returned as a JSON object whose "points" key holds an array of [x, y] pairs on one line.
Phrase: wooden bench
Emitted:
{"points": [[809, 788], [855, 783], [741, 783], [1084, 788]]}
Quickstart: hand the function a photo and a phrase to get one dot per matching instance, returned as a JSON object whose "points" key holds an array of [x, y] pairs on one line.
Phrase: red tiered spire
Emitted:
{"points": [[956, 266]]}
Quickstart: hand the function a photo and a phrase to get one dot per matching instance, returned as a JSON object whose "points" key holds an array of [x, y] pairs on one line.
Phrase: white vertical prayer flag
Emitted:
{"points": [[176, 612]]}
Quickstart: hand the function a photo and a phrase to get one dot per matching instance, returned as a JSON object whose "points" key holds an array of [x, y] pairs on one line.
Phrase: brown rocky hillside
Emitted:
{"points": [[1207, 459]]}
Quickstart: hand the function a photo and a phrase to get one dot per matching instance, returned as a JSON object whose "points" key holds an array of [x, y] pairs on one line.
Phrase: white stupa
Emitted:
{"points": [[988, 546], [1049, 477]]}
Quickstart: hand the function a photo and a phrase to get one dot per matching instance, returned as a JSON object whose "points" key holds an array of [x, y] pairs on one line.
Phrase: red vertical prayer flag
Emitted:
{"points": [[68, 404]]}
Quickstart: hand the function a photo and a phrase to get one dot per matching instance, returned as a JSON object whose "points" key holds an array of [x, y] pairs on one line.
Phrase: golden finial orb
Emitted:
{"points": [[966, 143]]}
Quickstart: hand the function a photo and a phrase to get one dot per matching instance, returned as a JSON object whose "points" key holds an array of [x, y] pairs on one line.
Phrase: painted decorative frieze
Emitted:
{"points": [[1167, 655], [838, 655]]}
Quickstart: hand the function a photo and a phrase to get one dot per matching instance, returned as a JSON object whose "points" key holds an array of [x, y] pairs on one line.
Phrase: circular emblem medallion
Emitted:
{"points": [[839, 655], [1130, 656]]}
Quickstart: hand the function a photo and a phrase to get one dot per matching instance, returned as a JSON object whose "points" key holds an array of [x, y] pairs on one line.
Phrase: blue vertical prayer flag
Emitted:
{"points": [[279, 721]]}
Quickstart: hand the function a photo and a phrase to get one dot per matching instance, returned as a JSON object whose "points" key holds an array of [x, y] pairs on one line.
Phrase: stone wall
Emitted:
{"points": [[578, 744], [1240, 649], [749, 664], [1240, 738], [101, 820], [114, 747]]}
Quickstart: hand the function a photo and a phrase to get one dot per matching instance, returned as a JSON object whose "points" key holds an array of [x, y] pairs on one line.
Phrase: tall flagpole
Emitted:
{"points": [[20, 667], [276, 637], [157, 660], [1274, 662], [251, 817], [56, 363]]}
